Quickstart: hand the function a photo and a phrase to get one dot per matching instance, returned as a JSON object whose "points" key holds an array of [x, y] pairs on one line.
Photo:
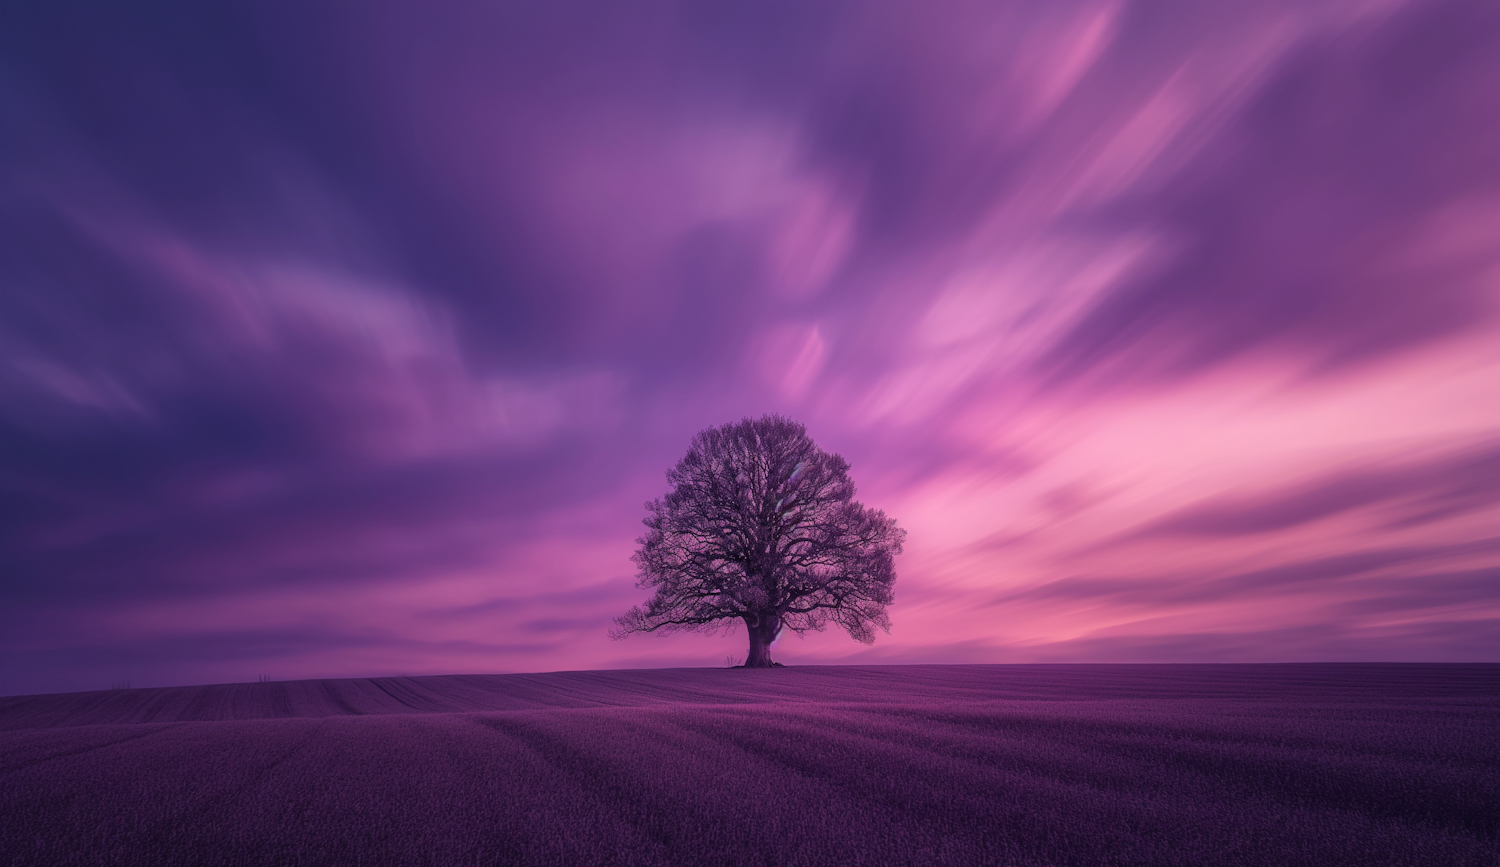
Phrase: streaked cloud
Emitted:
{"points": [[338, 343]]}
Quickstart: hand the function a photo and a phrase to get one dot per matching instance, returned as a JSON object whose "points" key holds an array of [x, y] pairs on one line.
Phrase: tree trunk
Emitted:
{"points": [[762, 632]]}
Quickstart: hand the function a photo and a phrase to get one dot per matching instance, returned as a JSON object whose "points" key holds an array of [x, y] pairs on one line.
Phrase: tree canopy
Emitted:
{"points": [[761, 526]]}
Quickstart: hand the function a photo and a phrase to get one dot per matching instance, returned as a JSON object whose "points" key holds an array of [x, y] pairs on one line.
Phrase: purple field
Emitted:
{"points": [[1168, 764]]}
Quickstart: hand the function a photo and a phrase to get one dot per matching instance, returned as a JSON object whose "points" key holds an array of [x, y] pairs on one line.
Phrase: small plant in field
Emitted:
{"points": [[731, 661]]}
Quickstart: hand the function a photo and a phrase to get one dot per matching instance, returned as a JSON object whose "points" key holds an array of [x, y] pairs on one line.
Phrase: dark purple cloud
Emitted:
{"points": [[1407, 494], [1314, 577]]}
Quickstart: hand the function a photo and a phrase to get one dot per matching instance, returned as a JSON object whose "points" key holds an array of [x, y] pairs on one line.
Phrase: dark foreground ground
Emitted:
{"points": [[1089, 765]]}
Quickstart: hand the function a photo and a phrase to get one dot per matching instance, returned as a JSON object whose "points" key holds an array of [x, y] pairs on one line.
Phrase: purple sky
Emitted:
{"points": [[349, 338]]}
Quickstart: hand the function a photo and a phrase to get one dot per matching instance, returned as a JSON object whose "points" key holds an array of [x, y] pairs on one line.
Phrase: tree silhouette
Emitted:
{"points": [[761, 526]]}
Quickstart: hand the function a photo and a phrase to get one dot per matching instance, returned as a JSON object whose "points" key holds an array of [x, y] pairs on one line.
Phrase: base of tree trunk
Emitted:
{"points": [[762, 635]]}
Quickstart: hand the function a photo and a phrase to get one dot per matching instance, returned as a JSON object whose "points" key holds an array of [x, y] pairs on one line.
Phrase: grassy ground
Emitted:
{"points": [[1316, 765]]}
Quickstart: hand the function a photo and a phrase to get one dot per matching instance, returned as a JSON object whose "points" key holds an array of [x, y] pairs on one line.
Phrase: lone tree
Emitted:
{"points": [[761, 526]]}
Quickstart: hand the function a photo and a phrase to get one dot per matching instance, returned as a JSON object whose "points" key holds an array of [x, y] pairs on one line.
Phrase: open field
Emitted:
{"points": [[1170, 764]]}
